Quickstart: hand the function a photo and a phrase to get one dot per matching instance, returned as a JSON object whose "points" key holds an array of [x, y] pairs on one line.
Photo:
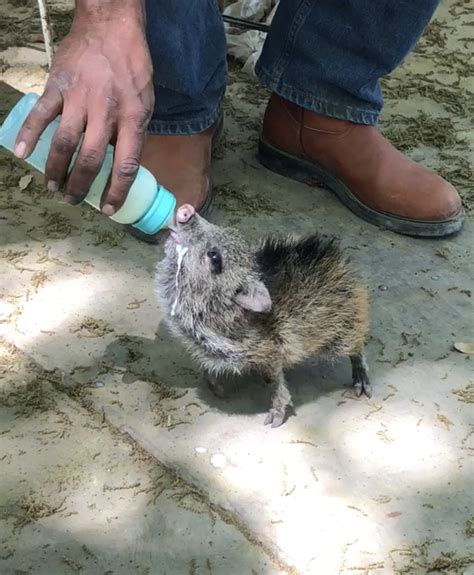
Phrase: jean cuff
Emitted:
{"points": [[184, 127], [321, 103]]}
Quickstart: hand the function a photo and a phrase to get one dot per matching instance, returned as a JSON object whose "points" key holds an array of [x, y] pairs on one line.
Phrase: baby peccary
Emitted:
{"points": [[267, 307]]}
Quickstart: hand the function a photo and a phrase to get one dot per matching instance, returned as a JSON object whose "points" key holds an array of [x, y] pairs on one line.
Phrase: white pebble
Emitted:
{"points": [[417, 155], [218, 460], [200, 449]]}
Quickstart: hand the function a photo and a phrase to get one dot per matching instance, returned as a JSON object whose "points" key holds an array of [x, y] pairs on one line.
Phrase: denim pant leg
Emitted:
{"points": [[329, 55], [188, 49]]}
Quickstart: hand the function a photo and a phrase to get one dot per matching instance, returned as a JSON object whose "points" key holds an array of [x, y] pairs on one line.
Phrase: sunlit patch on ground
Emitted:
{"points": [[115, 457]]}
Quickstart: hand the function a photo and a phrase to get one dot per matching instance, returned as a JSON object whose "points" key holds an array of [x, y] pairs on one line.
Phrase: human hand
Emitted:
{"points": [[101, 84]]}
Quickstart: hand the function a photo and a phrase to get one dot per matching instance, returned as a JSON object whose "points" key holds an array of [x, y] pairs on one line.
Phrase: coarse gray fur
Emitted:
{"points": [[266, 307]]}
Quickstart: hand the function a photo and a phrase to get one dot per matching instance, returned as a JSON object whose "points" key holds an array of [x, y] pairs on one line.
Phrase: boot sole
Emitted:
{"points": [[312, 173]]}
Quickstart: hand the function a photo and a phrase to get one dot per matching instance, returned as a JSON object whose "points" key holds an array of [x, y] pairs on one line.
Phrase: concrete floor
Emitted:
{"points": [[109, 437]]}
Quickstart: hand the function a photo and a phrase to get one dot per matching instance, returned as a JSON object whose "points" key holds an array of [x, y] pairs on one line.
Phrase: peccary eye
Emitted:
{"points": [[216, 261]]}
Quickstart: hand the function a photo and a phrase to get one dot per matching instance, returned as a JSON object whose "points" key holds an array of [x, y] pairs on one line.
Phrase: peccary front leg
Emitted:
{"points": [[281, 398], [360, 375], [215, 385]]}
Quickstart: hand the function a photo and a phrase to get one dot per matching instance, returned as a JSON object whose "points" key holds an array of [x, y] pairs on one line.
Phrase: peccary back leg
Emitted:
{"points": [[360, 375], [280, 397]]}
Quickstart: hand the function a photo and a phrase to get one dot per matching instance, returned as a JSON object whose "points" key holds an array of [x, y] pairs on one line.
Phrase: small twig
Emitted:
{"points": [[46, 26]]}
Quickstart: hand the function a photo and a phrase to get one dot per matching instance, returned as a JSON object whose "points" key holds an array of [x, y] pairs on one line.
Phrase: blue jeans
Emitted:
{"points": [[324, 55]]}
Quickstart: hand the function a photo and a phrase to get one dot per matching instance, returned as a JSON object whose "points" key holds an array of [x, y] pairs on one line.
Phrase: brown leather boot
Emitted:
{"points": [[361, 167], [182, 164]]}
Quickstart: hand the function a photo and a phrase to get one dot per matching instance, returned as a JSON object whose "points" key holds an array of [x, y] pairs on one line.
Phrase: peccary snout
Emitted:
{"points": [[184, 214]]}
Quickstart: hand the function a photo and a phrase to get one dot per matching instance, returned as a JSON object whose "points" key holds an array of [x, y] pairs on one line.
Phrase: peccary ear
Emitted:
{"points": [[255, 297]]}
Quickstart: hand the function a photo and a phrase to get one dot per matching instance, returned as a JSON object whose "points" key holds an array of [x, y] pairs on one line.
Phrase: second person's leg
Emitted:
{"points": [[323, 61]]}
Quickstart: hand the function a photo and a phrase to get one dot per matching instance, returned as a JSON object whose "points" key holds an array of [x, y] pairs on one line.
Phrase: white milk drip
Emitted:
{"points": [[181, 251]]}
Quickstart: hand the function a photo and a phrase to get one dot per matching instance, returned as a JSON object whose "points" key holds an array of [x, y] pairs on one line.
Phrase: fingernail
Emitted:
{"points": [[20, 150], [108, 210], [53, 186], [73, 200]]}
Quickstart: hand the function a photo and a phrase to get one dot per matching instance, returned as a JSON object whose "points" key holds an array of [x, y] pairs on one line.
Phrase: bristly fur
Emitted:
{"points": [[306, 251], [318, 305]]}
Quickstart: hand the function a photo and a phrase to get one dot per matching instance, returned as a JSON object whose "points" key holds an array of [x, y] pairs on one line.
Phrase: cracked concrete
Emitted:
{"points": [[115, 458]]}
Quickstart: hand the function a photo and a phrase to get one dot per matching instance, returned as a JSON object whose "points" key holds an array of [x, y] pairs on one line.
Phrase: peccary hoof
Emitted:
{"points": [[362, 387], [276, 417]]}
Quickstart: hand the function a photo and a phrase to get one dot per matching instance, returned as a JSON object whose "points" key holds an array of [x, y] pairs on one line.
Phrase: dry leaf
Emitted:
{"points": [[25, 181], [464, 347], [382, 499], [465, 395], [445, 421]]}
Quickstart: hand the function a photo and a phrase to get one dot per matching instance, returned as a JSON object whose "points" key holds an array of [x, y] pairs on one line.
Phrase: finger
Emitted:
{"points": [[130, 136], [43, 113], [63, 145], [90, 157]]}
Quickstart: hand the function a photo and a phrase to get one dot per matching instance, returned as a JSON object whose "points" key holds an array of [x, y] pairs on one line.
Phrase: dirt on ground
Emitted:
{"points": [[108, 439]]}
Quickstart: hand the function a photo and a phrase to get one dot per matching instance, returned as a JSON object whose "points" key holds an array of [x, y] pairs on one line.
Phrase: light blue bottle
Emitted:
{"points": [[149, 207]]}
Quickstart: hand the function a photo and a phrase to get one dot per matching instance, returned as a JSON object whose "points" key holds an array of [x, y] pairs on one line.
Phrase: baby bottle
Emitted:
{"points": [[148, 206]]}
